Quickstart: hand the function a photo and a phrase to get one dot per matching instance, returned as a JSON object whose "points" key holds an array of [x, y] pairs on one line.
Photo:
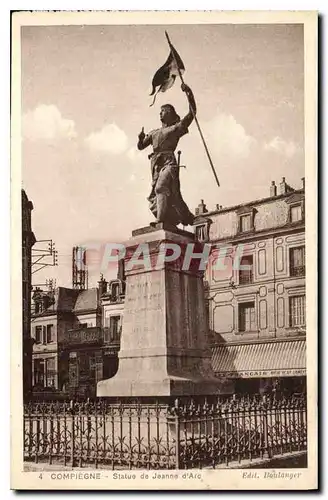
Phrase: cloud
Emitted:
{"points": [[229, 138], [45, 122], [284, 148], [136, 156], [110, 139]]}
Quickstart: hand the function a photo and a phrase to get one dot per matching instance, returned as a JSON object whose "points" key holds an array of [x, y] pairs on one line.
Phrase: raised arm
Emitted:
{"points": [[143, 140], [186, 121]]}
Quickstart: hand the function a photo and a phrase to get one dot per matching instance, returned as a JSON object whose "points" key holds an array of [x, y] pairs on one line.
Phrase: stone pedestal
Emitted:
{"points": [[164, 344]]}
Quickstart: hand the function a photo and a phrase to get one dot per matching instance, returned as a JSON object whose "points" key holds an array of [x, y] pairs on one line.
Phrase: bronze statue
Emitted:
{"points": [[166, 202]]}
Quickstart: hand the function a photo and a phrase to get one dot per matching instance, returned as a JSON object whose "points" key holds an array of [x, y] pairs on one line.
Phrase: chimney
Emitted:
{"points": [[201, 209], [46, 301], [303, 183], [273, 189], [121, 270], [102, 285], [37, 299], [283, 186]]}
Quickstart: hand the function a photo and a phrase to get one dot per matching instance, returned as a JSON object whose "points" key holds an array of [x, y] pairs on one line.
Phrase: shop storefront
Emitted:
{"points": [[273, 366]]}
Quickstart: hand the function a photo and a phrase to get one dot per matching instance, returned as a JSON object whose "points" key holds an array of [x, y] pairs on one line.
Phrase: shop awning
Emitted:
{"points": [[269, 359]]}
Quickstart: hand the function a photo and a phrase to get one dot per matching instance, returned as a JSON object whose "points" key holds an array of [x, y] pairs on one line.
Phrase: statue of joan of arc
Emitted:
{"points": [[166, 202]]}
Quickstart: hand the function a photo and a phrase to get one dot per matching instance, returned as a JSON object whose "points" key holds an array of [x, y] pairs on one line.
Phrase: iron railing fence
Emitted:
{"points": [[180, 434], [240, 430]]}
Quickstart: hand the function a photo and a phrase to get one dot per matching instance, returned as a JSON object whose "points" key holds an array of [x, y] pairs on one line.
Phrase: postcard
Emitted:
{"points": [[164, 232]]}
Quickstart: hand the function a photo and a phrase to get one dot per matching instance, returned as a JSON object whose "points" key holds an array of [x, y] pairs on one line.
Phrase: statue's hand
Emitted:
{"points": [[142, 135]]}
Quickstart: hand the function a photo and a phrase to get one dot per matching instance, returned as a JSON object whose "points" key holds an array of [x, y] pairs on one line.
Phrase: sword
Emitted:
{"points": [[181, 166]]}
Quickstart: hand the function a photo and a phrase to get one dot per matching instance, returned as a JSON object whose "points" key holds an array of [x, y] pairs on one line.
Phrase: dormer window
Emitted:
{"points": [[115, 291], [202, 229], [201, 233], [296, 213], [296, 208], [246, 219], [245, 223]]}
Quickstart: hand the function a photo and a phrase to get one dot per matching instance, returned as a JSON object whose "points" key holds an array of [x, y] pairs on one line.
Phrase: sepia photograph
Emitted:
{"points": [[164, 321]]}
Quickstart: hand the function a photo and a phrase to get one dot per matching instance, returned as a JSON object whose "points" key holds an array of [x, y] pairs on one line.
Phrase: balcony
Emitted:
{"points": [[91, 335], [245, 277], [297, 271]]}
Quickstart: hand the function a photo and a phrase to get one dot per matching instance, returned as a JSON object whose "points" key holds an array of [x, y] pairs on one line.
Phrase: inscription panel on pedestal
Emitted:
{"points": [[144, 311]]}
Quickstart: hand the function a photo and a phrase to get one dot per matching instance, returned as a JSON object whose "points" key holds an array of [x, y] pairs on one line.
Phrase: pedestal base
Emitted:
{"points": [[164, 344], [170, 386]]}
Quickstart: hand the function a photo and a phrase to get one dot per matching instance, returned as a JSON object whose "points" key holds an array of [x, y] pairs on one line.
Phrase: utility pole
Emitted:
{"points": [[44, 254]]}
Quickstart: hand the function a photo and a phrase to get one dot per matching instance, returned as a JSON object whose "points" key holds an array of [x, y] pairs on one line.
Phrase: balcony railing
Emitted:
{"points": [[91, 335], [297, 271], [245, 277]]}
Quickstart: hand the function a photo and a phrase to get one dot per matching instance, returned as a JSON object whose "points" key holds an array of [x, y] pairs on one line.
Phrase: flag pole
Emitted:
{"points": [[194, 115]]}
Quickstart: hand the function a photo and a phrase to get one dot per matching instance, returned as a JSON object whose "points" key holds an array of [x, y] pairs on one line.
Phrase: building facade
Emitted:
{"points": [[112, 302], [67, 333], [76, 336], [28, 240], [255, 282]]}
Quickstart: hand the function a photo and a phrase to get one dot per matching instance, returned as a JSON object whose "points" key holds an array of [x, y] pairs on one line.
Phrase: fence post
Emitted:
{"points": [[266, 453], [177, 433], [72, 433]]}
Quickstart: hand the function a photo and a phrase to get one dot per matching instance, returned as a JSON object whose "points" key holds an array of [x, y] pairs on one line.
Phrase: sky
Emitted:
{"points": [[85, 97]]}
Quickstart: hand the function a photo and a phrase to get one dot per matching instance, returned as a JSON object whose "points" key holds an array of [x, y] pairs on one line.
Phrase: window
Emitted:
{"points": [[297, 261], [107, 321], [51, 372], [106, 329], [83, 366], [201, 233], [106, 333], [39, 372], [112, 329], [245, 223], [73, 374], [247, 317], [115, 291], [246, 275], [297, 311], [50, 333], [96, 367], [296, 213], [38, 334], [115, 328]]}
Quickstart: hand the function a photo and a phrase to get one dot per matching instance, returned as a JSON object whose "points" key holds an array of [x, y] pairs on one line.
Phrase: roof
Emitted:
{"points": [[269, 359], [72, 300], [65, 299], [253, 203], [86, 300]]}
